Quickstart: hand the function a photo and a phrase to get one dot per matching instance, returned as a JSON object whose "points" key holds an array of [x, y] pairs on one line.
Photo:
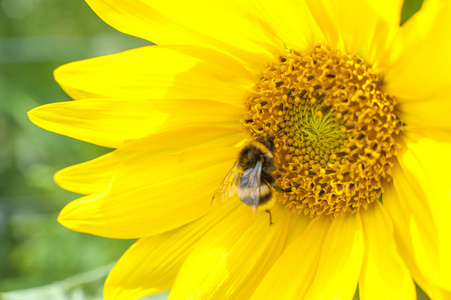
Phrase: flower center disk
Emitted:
{"points": [[334, 130]]}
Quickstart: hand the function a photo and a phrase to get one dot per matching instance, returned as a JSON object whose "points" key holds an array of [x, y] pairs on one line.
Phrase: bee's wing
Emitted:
{"points": [[249, 187], [228, 186]]}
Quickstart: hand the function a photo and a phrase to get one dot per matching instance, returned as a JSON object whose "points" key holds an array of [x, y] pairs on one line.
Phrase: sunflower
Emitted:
{"points": [[357, 111]]}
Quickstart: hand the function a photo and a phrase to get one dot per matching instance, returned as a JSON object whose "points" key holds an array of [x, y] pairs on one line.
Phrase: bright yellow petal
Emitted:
{"points": [[350, 25], [291, 21], [230, 260], [151, 264], [104, 122], [158, 187], [292, 274], [221, 25], [396, 207], [423, 68], [297, 227], [384, 273], [423, 207], [388, 10], [157, 72], [341, 260], [94, 176], [112, 122], [381, 48], [91, 177], [431, 113], [326, 17]]}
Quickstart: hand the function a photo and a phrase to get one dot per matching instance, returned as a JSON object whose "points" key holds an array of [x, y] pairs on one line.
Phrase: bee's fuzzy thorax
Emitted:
{"points": [[253, 152]]}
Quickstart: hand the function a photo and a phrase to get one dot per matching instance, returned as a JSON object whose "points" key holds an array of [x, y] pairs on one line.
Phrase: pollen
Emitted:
{"points": [[334, 130]]}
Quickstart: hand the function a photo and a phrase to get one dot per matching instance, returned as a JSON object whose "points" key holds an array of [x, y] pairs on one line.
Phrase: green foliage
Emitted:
{"points": [[86, 286], [35, 38], [409, 8]]}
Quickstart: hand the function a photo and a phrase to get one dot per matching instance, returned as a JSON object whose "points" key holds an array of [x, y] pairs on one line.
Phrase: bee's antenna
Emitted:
{"points": [[268, 137], [259, 135]]}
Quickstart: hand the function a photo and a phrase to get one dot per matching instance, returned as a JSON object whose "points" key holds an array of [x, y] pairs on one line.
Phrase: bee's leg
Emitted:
{"points": [[282, 170], [270, 217], [277, 188], [269, 180]]}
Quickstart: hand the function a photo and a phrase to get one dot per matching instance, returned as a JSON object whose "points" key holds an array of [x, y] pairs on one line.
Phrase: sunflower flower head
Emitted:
{"points": [[335, 129], [328, 115]]}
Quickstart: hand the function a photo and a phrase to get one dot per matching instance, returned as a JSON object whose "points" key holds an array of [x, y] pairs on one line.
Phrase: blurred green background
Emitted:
{"points": [[36, 36]]}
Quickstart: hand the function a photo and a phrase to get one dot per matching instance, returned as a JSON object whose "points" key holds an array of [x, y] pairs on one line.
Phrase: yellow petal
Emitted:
{"points": [[405, 247], [291, 21], [388, 10], [230, 260], [421, 212], [151, 264], [94, 176], [112, 122], [423, 68], [384, 273], [382, 46], [221, 25], [350, 25], [91, 177], [154, 190], [430, 113], [292, 274], [156, 72], [104, 122], [296, 228], [341, 260], [326, 17]]}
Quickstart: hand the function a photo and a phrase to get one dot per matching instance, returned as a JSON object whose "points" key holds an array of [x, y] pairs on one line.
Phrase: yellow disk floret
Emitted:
{"points": [[334, 129]]}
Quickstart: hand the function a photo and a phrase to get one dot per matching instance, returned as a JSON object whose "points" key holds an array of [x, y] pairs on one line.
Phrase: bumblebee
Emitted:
{"points": [[251, 177]]}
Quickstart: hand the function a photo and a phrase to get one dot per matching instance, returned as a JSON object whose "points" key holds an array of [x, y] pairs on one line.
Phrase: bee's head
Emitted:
{"points": [[267, 141]]}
